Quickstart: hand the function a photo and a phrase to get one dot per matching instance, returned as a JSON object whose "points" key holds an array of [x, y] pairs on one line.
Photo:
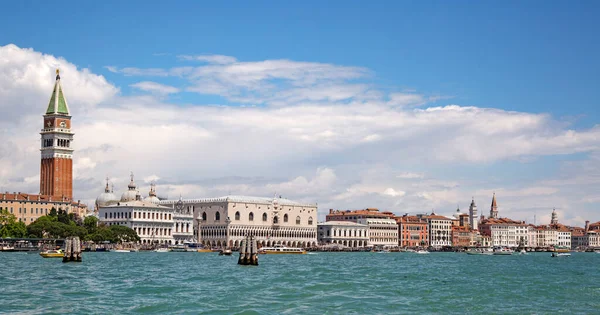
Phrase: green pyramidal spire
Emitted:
{"points": [[58, 102]]}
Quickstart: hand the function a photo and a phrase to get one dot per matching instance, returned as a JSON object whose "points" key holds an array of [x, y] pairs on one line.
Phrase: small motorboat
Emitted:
{"points": [[555, 254], [53, 253], [121, 251], [161, 250], [422, 252], [502, 251], [523, 252], [226, 252], [280, 249]]}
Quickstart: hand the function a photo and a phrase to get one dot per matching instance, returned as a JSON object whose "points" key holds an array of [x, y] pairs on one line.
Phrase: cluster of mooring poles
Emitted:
{"points": [[248, 252], [72, 249]]}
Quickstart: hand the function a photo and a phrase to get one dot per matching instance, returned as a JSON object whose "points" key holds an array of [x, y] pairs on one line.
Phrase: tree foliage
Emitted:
{"points": [[59, 224], [9, 227]]}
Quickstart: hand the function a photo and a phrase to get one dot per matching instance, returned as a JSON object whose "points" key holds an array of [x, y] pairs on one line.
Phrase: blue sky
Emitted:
{"points": [[536, 58]]}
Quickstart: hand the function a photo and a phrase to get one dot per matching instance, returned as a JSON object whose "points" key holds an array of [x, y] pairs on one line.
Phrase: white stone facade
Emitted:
{"points": [[547, 237], [224, 221], [440, 231], [343, 233], [152, 223], [382, 232], [510, 235], [183, 223]]}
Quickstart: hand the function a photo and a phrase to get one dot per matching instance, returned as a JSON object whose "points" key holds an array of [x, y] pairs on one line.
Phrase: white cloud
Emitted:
{"points": [[375, 152], [409, 175], [154, 87], [214, 59], [393, 193]]}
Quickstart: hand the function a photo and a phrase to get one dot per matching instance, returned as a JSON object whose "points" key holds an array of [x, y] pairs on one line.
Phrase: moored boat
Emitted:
{"points": [[161, 250], [280, 249], [503, 251], [121, 250], [53, 253]]}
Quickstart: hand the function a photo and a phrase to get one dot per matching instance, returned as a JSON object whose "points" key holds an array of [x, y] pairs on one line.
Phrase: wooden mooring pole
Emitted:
{"points": [[72, 249]]}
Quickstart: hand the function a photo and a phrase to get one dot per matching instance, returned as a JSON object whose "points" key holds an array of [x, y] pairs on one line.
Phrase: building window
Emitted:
{"points": [[298, 220], [251, 217], [237, 215], [264, 217], [218, 216], [203, 216], [275, 220], [285, 217], [310, 221]]}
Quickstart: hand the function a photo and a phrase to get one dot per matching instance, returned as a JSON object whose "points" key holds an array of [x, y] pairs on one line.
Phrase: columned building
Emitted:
{"points": [[56, 173], [225, 221], [153, 223], [183, 221], [344, 233], [382, 232]]}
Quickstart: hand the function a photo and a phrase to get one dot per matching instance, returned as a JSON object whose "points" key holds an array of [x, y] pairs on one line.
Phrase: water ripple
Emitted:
{"points": [[325, 283]]}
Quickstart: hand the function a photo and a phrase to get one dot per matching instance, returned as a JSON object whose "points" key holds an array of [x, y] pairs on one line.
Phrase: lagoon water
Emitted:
{"points": [[319, 283]]}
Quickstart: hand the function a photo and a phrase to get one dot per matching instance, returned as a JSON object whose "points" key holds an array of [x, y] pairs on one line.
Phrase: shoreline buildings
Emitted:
{"points": [[56, 166], [154, 224], [225, 221]]}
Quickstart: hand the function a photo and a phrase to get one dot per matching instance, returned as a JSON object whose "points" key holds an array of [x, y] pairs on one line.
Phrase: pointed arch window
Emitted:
{"points": [[264, 217], [237, 216], [310, 221], [217, 216], [203, 216], [275, 220], [251, 217], [285, 217], [298, 220]]}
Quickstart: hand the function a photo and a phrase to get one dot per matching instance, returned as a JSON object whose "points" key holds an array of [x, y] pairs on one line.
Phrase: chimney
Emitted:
{"points": [[587, 225], [330, 211]]}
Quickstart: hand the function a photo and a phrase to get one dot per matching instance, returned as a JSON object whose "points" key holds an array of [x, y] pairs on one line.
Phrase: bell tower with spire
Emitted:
{"points": [[494, 208], [473, 215], [56, 173], [554, 220]]}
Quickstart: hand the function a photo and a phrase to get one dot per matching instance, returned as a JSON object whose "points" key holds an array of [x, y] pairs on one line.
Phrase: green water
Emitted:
{"points": [[321, 283]]}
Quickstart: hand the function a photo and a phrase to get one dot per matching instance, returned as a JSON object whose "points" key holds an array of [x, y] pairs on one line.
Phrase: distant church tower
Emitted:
{"points": [[554, 217], [494, 208], [56, 175], [473, 215]]}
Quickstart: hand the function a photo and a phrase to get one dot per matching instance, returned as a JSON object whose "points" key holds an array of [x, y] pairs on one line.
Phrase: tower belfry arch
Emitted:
{"points": [[56, 170]]}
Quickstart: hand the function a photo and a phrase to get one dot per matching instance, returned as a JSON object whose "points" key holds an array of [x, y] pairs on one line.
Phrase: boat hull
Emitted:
{"points": [[282, 253], [52, 255]]}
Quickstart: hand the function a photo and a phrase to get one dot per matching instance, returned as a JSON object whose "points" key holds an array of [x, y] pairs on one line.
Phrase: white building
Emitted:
{"points": [[153, 223], [440, 230], [345, 233], [382, 232], [225, 221], [546, 236], [183, 222], [506, 232]]}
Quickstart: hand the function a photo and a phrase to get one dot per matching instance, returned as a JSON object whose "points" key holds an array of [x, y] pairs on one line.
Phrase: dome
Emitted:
{"points": [[107, 198], [152, 199], [129, 195], [152, 195]]}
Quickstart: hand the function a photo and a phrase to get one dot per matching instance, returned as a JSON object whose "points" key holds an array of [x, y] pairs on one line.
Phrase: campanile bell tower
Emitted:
{"points": [[56, 175]]}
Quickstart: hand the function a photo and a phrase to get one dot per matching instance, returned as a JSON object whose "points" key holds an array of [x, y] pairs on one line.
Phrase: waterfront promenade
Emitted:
{"points": [[317, 283]]}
